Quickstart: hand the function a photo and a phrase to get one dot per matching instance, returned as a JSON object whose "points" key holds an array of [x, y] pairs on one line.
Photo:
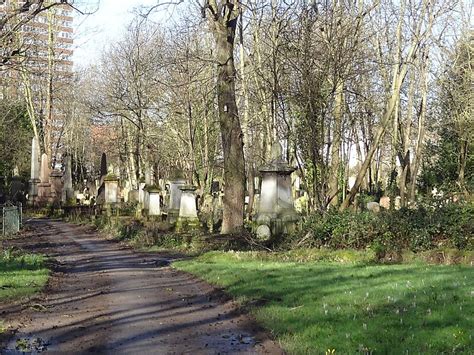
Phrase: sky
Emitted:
{"points": [[106, 24]]}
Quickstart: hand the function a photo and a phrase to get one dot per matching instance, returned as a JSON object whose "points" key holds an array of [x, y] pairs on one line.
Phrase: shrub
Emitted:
{"points": [[391, 231]]}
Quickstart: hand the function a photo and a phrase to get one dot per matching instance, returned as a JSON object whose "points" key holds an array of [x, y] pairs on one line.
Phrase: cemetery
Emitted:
{"points": [[236, 177]]}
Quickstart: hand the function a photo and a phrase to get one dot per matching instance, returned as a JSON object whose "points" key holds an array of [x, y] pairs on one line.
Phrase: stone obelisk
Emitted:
{"points": [[35, 172]]}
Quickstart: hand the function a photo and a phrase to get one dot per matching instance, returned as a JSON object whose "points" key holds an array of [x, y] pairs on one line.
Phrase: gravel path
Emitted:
{"points": [[106, 298]]}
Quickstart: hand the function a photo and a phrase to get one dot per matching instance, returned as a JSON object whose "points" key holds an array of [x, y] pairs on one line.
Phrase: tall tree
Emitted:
{"points": [[222, 18]]}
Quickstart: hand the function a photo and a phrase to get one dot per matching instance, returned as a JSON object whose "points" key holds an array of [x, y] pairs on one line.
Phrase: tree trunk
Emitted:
{"points": [[231, 132], [336, 145]]}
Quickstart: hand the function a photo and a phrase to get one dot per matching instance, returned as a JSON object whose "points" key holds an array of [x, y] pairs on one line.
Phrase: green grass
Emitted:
{"points": [[21, 275], [350, 307]]}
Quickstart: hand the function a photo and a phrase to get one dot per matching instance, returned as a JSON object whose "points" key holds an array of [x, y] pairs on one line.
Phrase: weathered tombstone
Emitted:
{"points": [[373, 206], [44, 187], [175, 197], [276, 208], [111, 184], [188, 218], [385, 202], [154, 201], [56, 182], [68, 190], [35, 171]]}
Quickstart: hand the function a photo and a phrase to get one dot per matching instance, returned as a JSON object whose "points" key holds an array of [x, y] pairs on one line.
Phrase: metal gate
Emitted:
{"points": [[11, 219]]}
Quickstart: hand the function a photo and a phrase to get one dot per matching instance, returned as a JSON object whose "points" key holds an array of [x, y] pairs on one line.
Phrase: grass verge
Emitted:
{"points": [[21, 275], [352, 307]]}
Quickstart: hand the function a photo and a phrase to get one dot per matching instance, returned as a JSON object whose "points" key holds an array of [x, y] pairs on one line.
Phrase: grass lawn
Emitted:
{"points": [[21, 275], [312, 307]]}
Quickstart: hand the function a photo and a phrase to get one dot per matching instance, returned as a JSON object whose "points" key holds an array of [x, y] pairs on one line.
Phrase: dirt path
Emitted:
{"points": [[105, 298]]}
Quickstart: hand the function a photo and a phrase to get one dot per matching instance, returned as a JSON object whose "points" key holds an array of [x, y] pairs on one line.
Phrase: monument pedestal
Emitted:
{"points": [[276, 213], [187, 219], [175, 199], [56, 187], [33, 191]]}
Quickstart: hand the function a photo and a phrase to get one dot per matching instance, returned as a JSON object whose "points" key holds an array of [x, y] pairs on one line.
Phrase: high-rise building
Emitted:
{"points": [[41, 71]]}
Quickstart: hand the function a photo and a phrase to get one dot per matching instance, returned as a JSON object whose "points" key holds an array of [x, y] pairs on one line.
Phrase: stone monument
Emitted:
{"points": [[35, 172], [276, 209], [55, 179], [44, 187], [187, 218], [111, 189], [154, 201], [175, 197]]}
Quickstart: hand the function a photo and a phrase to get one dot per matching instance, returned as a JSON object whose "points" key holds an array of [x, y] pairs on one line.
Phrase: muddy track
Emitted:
{"points": [[106, 298]]}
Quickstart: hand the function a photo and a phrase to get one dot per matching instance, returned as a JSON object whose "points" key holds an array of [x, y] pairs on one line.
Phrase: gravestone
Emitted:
{"points": [[111, 189], [276, 208], [35, 172], [56, 182], [44, 187], [188, 218], [175, 197], [154, 201]]}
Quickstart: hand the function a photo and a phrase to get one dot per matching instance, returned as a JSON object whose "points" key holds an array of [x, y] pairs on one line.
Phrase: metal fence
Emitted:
{"points": [[11, 221]]}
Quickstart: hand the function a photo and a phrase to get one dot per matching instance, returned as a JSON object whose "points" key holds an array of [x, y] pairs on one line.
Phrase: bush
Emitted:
{"points": [[391, 231]]}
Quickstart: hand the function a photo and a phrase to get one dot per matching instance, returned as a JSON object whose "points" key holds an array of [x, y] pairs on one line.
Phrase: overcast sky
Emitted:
{"points": [[108, 22]]}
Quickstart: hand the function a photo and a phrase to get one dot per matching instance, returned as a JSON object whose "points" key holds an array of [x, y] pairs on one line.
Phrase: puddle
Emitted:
{"points": [[26, 345]]}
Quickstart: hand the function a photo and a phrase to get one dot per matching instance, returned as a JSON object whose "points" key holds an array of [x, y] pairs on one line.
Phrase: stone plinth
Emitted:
{"points": [[188, 218], [175, 199], [276, 207], [111, 189], [56, 182], [154, 198]]}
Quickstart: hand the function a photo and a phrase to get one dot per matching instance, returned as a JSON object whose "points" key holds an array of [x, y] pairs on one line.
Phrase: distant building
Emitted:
{"points": [[43, 69]]}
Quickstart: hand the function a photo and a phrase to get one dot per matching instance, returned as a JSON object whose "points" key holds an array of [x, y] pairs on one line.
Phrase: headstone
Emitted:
{"points": [[276, 208], [373, 206], [154, 202], [111, 188], [175, 198], [188, 218], [385, 202], [56, 182]]}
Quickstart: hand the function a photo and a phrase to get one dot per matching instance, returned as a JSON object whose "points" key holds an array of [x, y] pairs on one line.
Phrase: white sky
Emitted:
{"points": [[106, 25]]}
